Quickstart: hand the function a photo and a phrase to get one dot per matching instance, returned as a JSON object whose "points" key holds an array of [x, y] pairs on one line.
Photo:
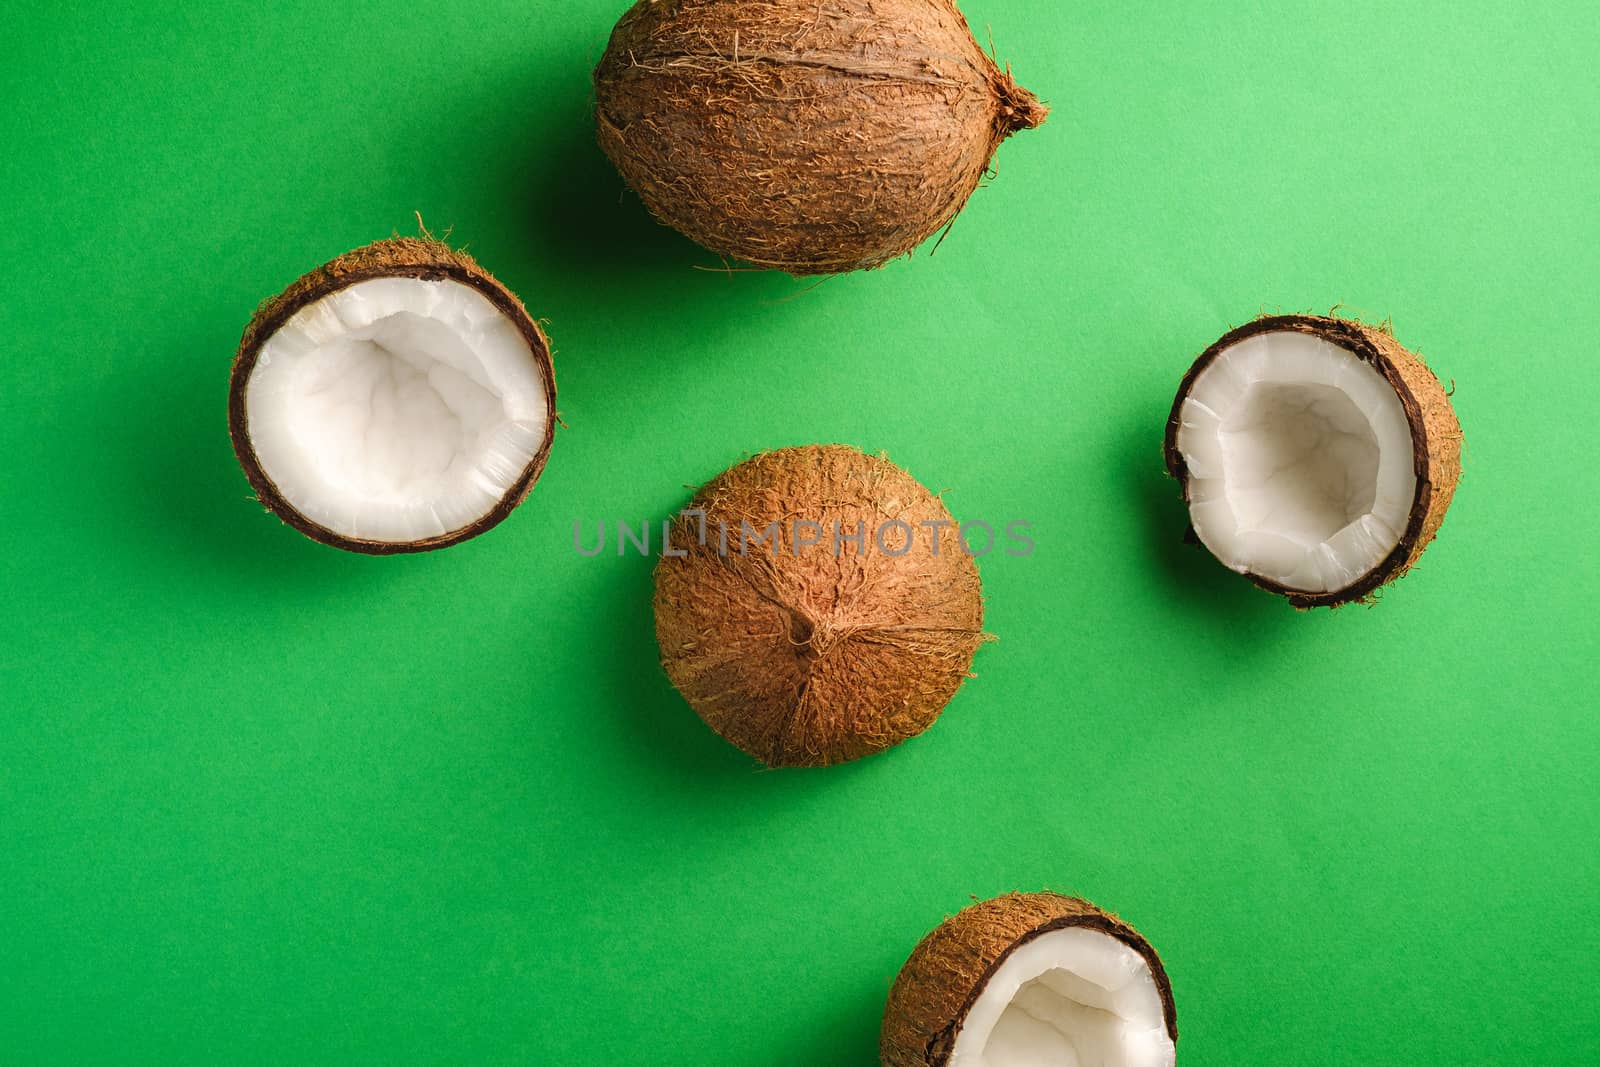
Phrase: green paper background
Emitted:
{"points": [[264, 802]]}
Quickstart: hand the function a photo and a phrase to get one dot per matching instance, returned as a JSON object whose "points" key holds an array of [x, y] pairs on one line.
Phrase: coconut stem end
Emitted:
{"points": [[1018, 108]]}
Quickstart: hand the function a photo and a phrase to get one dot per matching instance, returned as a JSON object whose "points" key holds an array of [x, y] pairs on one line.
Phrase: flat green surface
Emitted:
{"points": [[264, 802]]}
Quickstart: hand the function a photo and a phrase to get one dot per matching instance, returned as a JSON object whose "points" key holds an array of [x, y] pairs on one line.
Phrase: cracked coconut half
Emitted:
{"points": [[1031, 980], [397, 399], [1317, 456]]}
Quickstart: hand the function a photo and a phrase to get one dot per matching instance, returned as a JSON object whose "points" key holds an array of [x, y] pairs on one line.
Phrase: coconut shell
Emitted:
{"points": [[399, 257], [812, 138], [949, 970], [1435, 441], [804, 655]]}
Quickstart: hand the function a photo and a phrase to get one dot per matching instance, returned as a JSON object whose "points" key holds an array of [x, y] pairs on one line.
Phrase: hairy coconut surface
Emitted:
{"points": [[809, 137], [397, 399], [1031, 980], [1317, 455], [806, 654]]}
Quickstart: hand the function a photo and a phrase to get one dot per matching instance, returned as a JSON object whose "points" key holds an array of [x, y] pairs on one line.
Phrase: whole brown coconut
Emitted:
{"points": [[1317, 455], [830, 610], [396, 399], [1031, 980], [809, 137]]}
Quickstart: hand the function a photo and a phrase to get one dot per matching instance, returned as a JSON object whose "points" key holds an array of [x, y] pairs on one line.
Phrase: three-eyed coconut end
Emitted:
{"points": [[819, 606]]}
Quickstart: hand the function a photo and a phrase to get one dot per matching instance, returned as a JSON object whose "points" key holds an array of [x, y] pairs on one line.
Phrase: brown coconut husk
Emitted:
{"points": [[398, 257], [949, 970], [806, 137], [801, 657], [1435, 441]]}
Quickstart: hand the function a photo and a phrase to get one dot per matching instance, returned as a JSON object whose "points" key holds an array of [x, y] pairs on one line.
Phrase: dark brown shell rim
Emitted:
{"points": [[1353, 337], [310, 289]]}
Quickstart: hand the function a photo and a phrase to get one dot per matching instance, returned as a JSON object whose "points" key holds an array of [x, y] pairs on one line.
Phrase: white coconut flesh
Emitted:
{"points": [[1300, 461], [1067, 998], [396, 409]]}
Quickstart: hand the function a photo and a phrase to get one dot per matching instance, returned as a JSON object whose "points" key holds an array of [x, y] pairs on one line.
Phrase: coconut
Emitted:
{"points": [[812, 138], [816, 605], [1317, 456], [1031, 980], [397, 399]]}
